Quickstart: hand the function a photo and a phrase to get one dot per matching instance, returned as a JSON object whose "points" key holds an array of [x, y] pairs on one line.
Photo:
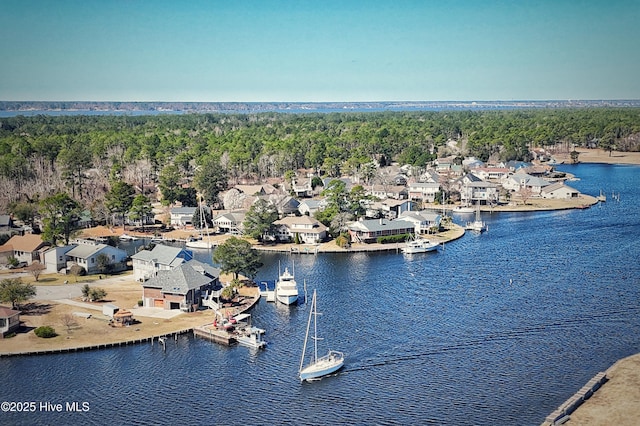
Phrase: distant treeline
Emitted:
{"points": [[269, 144]]}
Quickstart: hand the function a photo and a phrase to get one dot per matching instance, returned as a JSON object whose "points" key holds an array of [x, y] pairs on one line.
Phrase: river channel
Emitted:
{"points": [[495, 329]]}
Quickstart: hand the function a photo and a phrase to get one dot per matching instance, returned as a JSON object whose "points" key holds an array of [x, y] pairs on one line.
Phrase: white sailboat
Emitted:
{"points": [[201, 242], [286, 287], [318, 367], [477, 225]]}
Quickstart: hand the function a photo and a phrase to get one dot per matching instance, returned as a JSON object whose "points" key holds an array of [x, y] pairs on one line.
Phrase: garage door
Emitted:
{"points": [[158, 303]]}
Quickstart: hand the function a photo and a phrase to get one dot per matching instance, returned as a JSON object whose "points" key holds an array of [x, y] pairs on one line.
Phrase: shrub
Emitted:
{"points": [[392, 239], [45, 332], [85, 291], [140, 303], [96, 294]]}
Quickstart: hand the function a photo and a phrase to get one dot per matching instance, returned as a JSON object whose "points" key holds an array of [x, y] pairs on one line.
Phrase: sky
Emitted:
{"points": [[319, 50]]}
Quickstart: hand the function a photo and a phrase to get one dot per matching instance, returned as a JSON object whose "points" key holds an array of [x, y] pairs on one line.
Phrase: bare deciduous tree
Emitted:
{"points": [[35, 269]]}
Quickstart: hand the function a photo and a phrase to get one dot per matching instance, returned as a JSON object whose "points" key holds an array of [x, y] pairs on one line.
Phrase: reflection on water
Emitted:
{"points": [[495, 329]]}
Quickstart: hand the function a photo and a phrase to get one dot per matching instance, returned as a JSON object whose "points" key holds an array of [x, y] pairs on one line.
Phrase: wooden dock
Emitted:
{"points": [[210, 332]]}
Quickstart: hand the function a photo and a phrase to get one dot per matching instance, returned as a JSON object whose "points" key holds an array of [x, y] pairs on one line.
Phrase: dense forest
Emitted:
{"points": [[84, 155]]}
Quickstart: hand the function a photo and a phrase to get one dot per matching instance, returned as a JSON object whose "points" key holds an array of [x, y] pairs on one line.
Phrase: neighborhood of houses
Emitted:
{"points": [[172, 279]]}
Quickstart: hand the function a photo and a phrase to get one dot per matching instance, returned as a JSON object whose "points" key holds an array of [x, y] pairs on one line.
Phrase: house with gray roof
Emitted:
{"points": [[559, 191], [424, 220], [183, 287], [522, 180], [368, 231], [147, 263], [230, 223], [86, 255], [182, 216]]}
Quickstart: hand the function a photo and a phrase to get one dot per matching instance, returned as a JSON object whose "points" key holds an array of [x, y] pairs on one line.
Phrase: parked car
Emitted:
{"points": [[18, 266]]}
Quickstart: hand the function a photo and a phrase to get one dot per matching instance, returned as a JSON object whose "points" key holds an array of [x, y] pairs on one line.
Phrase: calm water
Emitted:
{"points": [[497, 329]]}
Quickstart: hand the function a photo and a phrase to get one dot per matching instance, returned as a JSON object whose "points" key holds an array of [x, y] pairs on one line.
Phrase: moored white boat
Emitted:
{"points": [[199, 243], [286, 288], [318, 367], [419, 245], [463, 209], [249, 335]]}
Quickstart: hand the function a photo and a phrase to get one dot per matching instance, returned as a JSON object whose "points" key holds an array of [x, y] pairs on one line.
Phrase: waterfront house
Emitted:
{"points": [[9, 321], [424, 221], [25, 248], [86, 255], [368, 231], [559, 191], [479, 192], [182, 216], [518, 181], [184, 287], [424, 191], [230, 223], [55, 258], [308, 229], [147, 263]]}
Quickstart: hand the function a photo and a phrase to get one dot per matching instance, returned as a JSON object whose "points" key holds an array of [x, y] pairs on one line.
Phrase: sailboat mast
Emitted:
{"points": [[306, 336], [315, 329]]}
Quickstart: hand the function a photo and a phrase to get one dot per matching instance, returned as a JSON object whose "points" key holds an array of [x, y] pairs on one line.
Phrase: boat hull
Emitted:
{"points": [[287, 300], [199, 244], [324, 366]]}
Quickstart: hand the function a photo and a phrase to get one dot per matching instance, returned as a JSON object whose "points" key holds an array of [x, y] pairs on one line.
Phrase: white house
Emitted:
{"points": [[492, 173], [424, 220], [147, 263], [479, 192], [560, 191], [425, 191], [182, 216], [522, 180], [86, 255], [383, 192], [311, 206], [25, 248], [308, 229], [55, 259], [230, 223]]}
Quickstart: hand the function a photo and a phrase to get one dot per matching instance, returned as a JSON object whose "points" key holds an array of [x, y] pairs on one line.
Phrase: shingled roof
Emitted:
{"points": [[181, 279]]}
